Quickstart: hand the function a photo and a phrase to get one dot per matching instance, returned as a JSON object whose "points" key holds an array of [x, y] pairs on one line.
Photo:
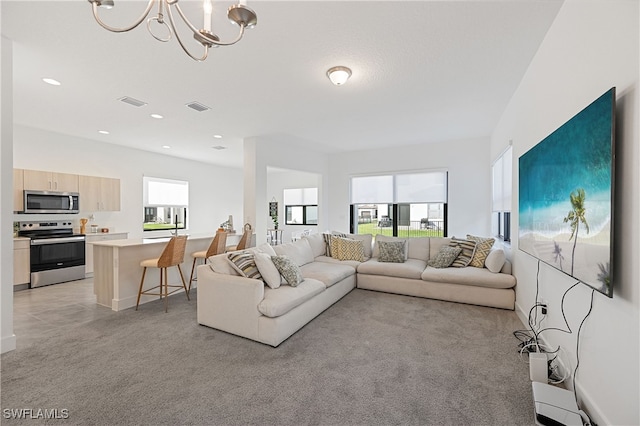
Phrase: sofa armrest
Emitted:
{"points": [[228, 302]]}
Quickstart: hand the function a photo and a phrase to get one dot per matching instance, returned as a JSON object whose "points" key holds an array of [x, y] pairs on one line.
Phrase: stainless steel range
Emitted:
{"points": [[57, 254]]}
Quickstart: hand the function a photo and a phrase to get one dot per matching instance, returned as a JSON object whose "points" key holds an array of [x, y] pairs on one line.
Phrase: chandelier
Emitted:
{"points": [[239, 14]]}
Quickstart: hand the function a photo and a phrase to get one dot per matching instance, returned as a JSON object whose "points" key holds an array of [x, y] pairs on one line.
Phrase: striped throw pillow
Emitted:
{"points": [[483, 247], [468, 248], [245, 264]]}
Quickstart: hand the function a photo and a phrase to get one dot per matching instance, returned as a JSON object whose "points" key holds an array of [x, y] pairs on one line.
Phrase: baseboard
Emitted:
{"points": [[587, 404], [8, 344]]}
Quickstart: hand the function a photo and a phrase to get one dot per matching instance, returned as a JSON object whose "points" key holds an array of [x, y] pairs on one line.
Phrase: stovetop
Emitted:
{"points": [[46, 229]]}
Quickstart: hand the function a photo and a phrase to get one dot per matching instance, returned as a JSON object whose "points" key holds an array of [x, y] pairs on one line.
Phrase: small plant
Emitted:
{"points": [[274, 218]]}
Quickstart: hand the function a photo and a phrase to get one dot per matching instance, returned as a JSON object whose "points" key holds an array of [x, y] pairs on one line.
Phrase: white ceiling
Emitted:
{"points": [[423, 71]]}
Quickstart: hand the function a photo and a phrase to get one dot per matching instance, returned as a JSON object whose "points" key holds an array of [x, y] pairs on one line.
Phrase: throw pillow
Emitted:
{"points": [[483, 247], [391, 251], [244, 263], [349, 249], [327, 241], [465, 256], [445, 257], [288, 269], [268, 270], [495, 260]]}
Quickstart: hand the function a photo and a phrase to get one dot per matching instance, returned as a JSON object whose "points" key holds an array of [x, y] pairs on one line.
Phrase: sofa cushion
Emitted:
{"points": [[263, 248], [347, 249], [270, 274], [298, 251], [328, 273], [220, 264], [326, 259], [279, 301], [465, 256], [327, 240], [495, 260], [411, 268], [445, 257], [317, 244], [288, 269], [367, 240], [483, 247], [480, 277], [418, 248], [244, 264], [392, 251], [385, 238], [435, 243]]}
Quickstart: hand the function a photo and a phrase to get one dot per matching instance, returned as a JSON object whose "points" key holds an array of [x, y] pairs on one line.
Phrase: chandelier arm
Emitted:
{"points": [[196, 31], [175, 31], [121, 30]]}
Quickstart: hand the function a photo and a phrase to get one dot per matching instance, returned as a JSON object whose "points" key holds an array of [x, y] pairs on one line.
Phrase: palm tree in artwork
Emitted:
{"points": [[576, 215], [557, 254]]}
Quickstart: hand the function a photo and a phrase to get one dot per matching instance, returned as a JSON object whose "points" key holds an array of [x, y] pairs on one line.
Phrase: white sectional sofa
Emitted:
{"points": [[248, 307]]}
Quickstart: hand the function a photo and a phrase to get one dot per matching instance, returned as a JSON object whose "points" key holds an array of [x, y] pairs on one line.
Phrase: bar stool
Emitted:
{"points": [[245, 240], [217, 246], [172, 255]]}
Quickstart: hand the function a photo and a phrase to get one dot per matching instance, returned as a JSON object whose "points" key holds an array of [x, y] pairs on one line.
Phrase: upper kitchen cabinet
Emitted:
{"points": [[99, 193], [38, 180], [18, 190]]}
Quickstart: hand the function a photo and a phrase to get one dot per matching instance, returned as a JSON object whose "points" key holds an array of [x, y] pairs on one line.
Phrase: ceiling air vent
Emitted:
{"points": [[219, 147], [197, 106], [132, 101]]}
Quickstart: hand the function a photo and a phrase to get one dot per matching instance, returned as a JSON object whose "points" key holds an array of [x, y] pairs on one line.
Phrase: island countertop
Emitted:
{"points": [[117, 271]]}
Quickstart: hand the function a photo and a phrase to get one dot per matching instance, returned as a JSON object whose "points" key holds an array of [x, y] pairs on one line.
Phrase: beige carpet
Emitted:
{"points": [[372, 358]]}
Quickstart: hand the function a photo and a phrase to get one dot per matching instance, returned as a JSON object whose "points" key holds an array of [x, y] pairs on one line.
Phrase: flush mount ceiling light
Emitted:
{"points": [[158, 116], [238, 14], [339, 75], [103, 132]]}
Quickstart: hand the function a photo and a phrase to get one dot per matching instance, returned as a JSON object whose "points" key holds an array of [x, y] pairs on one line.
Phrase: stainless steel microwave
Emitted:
{"points": [[51, 202]]}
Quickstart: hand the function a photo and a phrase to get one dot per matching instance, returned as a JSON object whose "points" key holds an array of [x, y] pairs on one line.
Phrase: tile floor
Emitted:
{"points": [[52, 309]]}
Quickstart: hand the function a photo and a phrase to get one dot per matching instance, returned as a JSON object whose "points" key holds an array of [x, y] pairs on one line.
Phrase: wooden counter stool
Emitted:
{"points": [[245, 240], [172, 255], [217, 246]]}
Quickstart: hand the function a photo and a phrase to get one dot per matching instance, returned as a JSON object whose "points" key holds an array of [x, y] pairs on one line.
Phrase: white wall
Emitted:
{"points": [[468, 164], [591, 46], [214, 192], [7, 338]]}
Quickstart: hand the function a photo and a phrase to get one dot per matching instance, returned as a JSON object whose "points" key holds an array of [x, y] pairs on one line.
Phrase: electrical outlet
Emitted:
{"points": [[544, 308]]}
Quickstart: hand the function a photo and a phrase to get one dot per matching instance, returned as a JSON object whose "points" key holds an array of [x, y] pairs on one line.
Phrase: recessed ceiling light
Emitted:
{"points": [[166, 146], [103, 132], [51, 81], [217, 136], [156, 116], [219, 147]]}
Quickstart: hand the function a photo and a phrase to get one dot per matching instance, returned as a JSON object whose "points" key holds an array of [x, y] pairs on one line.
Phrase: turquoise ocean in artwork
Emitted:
{"points": [[576, 155]]}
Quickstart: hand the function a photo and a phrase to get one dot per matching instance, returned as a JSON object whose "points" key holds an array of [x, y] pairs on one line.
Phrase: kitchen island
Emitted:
{"points": [[117, 271]]}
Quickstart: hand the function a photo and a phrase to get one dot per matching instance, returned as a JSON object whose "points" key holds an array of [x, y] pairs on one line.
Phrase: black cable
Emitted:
{"points": [[564, 316], [575, 371]]}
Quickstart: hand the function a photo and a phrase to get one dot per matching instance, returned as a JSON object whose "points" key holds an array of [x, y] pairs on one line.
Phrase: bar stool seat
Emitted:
{"points": [[172, 255], [217, 246]]}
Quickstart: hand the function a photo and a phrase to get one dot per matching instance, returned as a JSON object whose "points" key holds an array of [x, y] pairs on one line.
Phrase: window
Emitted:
{"points": [[501, 187], [301, 206], [403, 204], [165, 204]]}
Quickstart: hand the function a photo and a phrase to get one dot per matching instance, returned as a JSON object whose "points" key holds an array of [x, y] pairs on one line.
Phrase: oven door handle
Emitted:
{"points": [[56, 241]]}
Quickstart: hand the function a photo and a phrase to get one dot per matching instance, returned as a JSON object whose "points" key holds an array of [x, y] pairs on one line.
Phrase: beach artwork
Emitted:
{"points": [[565, 196]]}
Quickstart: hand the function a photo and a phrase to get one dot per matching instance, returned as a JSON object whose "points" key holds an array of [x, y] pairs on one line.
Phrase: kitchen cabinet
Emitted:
{"points": [[21, 258], [18, 190], [99, 193], [92, 238], [49, 181]]}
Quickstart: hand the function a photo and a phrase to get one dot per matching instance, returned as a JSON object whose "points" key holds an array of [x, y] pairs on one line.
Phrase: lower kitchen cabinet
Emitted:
{"points": [[21, 258], [91, 238]]}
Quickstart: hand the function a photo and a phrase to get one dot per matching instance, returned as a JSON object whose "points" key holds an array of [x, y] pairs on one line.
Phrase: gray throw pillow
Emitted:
{"points": [[445, 257], [288, 269], [392, 252]]}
